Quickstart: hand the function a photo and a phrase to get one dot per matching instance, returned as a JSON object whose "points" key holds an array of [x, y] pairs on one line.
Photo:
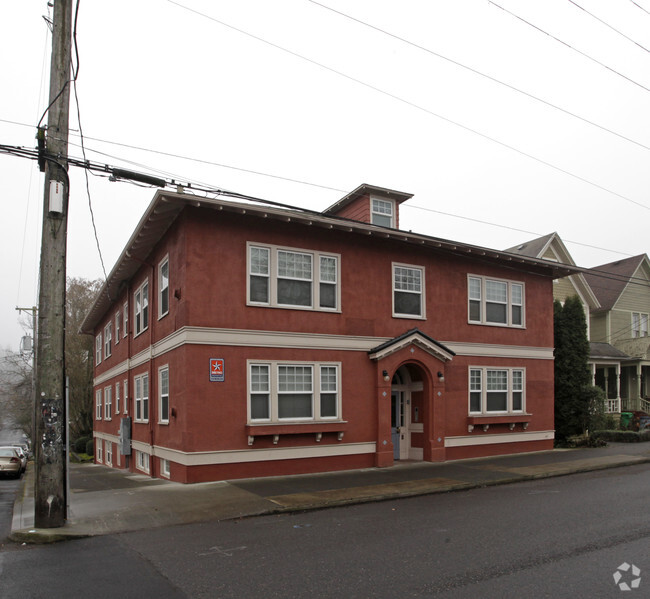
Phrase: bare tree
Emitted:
{"points": [[16, 390], [79, 355]]}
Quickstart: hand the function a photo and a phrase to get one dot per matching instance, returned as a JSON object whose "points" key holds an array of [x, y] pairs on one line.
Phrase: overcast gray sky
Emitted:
{"points": [[294, 102]]}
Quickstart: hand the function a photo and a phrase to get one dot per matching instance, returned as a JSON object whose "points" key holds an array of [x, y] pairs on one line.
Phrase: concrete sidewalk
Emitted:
{"points": [[106, 501]]}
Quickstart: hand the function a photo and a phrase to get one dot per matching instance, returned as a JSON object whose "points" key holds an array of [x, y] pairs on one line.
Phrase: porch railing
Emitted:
{"points": [[613, 406]]}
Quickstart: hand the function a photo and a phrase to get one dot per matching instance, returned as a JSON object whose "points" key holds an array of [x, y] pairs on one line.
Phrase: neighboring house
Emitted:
{"points": [[616, 298], [241, 339], [623, 290], [551, 247]]}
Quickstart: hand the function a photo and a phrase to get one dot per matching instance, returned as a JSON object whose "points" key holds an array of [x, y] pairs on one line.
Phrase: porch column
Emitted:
{"points": [[618, 386]]}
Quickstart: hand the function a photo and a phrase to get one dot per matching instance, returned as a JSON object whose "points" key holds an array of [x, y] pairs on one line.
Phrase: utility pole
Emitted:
{"points": [[49, 405]]}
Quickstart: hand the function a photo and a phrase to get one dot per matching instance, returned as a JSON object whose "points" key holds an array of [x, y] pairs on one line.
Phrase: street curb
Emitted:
{"points": [[321, 502]]}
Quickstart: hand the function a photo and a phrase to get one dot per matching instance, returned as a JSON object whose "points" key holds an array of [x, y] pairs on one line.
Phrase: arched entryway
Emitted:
{"points": [[407, 413]]}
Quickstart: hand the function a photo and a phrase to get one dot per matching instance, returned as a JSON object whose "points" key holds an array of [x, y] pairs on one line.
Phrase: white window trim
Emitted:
{"points": [[118, 315], [126, 396], [98, 349], [509, 304], [422, 294], [640, 325], [139, 326], [165, 467], [160, 418], [140, 400], [373, 212], [484, 411], [142, 461], [274, 366], [108, 402], [108, 452], [125, 319], [108, 340], [161, 314], [273, 278], [99, 410], [99, 445], [118, 397]]}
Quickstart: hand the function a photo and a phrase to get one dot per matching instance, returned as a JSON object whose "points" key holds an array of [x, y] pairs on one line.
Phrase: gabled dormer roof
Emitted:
{"points": [[609, 281]]}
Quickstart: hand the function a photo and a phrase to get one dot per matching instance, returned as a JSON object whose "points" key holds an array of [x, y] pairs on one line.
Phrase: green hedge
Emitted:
{"points": [[90, 447], [81, 443], [621, 436]]}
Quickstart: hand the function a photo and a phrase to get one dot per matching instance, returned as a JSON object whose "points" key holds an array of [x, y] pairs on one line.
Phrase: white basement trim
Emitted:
{"points": [[471, 440]]}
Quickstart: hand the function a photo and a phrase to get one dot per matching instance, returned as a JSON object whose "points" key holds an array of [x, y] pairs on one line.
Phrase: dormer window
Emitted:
{"points": [[382, 212]]}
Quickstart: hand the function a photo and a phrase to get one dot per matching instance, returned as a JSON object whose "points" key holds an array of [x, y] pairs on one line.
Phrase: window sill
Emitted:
{"points": [[300, 428], [510, 419]]}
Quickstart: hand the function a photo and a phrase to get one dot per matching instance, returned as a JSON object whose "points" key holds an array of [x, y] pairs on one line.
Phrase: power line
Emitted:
{"points": [[477, 72], [484, 222], [411, 104], [608, 25], [639, 6], [557, 39]]}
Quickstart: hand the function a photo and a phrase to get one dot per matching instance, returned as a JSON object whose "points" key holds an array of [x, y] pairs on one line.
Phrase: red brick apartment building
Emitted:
{"points": [[240, 340]]}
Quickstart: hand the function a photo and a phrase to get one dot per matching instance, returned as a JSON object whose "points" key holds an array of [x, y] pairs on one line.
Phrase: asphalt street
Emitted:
{"points": [[556, 537]]}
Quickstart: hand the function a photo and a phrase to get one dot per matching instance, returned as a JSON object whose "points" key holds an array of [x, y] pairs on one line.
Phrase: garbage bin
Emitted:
{"points": [[626, 419]]}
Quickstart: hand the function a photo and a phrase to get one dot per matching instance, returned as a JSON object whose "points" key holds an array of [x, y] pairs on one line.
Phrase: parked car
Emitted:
{"points": [[22, 454], [10, 462]]}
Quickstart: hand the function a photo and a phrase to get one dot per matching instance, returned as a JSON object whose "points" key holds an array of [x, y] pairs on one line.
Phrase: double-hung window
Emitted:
{"points": [[108, 402], [141, 310], [289, 278], [639, 324], [108, 452], [141, 383], [381, 212], [142, 461], [126, 396], [117, 398], [286, 392], [163, 395], [408, 291], [163, 288], [108, 340], [496, 390], [125, 312], [98, 404], [495, 301], [98, 348]]}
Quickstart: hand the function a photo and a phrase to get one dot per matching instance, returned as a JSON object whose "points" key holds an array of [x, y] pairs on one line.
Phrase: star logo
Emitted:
{"points": [[628, 571]]}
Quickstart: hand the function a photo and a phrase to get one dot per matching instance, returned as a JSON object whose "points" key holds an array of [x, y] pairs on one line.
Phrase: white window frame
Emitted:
{"points": [[317, 390], [108, 340], [378, 209], [141, 308], [515, 377], [639, 324], [99, 444], [108, 402], [142, 461], [482, 301], [126, 396], [125, 319], [108, 452], [118, 319], [99, 410], [318, 279], [98, 349], [118, 397], [163, 291], [165, 468], [140, 384], [163, 370], [421, 293]]}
